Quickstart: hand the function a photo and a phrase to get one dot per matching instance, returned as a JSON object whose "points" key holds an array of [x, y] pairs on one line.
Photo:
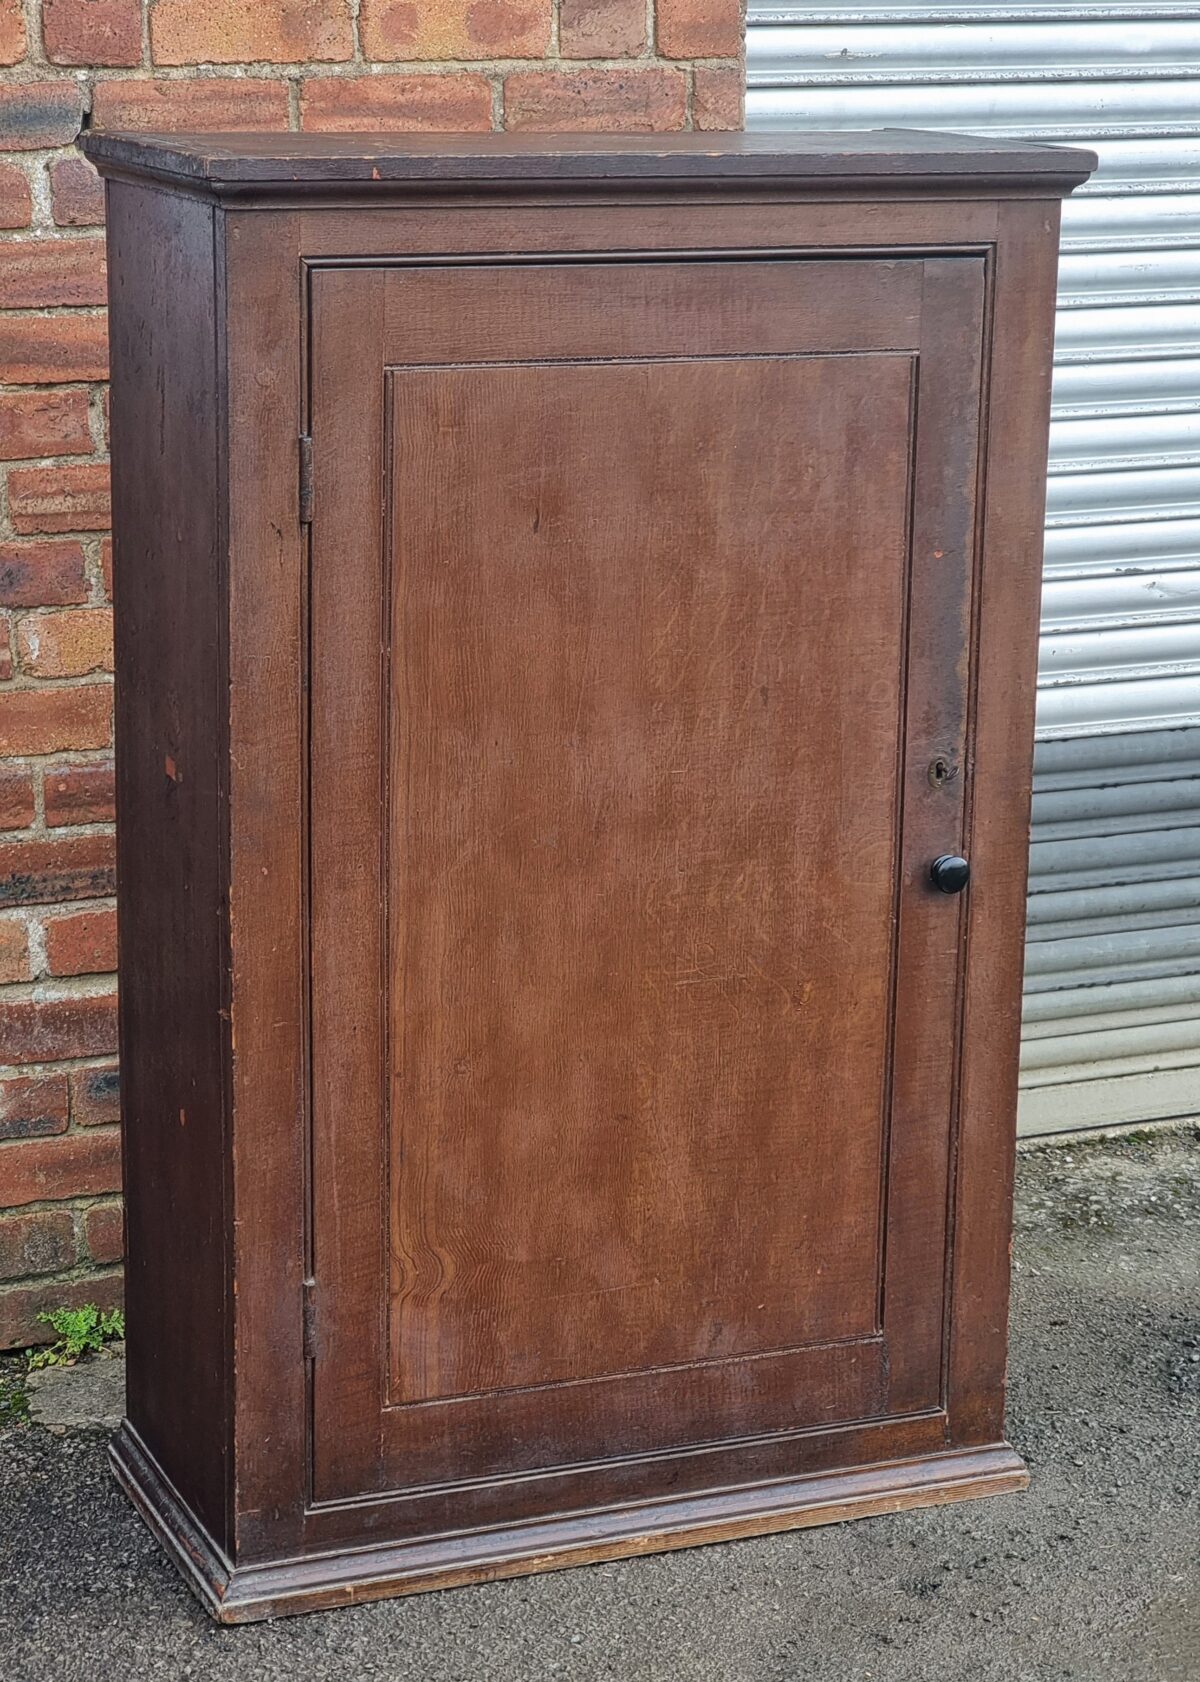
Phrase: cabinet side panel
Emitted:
{"points": [[171, 735]]}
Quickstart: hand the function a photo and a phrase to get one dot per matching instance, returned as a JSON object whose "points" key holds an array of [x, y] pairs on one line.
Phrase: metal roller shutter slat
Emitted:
{"points": [[1113, 995]]}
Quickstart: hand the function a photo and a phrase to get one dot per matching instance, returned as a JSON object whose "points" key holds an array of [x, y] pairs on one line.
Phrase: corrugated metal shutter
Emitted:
{"points": [[1112, 1008]]}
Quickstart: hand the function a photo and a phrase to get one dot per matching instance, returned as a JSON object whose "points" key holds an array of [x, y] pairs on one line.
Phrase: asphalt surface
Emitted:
{"points": [[1092, 1575]]}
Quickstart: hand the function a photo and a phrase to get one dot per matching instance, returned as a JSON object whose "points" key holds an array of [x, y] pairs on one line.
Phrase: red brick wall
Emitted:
{"points": [[642, 65]]}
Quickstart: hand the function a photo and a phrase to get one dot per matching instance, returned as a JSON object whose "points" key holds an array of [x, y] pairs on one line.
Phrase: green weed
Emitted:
{"points": [[81, 1331]]}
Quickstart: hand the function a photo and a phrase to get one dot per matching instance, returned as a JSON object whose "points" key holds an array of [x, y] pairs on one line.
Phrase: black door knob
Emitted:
{"points": [[949, 873]]}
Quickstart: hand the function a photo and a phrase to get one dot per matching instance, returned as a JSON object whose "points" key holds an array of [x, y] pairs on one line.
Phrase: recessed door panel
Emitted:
{"points": [[633, 1015], [639, 959]]}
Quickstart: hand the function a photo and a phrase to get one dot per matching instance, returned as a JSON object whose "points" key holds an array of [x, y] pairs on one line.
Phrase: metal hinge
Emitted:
{"points": [[308, 1311], [306, 479]]}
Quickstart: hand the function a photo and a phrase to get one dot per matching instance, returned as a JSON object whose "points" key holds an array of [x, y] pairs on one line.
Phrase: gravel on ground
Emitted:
{"points": [[1093, 1575]]}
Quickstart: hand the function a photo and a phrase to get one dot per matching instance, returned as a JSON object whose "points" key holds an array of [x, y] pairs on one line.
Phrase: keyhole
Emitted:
{"points": [[942, 770]]}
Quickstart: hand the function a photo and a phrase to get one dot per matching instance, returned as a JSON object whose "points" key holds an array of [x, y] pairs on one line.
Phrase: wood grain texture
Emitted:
{"points": [[452, 313], [639, 970], [1025, 270], [474, 233], [246, 1594], [172, 735], [301, 163], [602, 447], [945, 565], [595, 852], [267, 608]]}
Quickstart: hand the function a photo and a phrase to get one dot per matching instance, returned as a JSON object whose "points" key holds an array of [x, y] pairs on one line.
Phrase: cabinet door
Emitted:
{"points": [[641, 599]]}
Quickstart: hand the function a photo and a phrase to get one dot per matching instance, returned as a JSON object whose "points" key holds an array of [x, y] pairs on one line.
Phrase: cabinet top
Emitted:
{"points": [[883, 161]]}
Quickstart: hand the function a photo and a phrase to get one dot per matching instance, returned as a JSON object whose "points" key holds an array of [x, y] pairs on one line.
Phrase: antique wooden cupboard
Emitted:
{"points": [[576, 611]]}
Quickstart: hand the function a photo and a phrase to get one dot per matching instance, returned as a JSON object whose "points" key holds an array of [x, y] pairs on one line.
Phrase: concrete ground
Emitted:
{"points": [[1093, 1575]]}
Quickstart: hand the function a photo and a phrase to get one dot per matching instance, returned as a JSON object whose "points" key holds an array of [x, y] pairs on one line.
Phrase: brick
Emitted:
{"points": [[12, 32], [6, 653], [462, 29], [47, 720], [43, 1242], [44, 423], [42, 575], [35, 114], [90, 32], [21, 1304], [104, 1231], [69, 644], [106, 565], [76, 194], [43, 1031], [16, 200], [203, 103], [651, 101], [84, 943], [718, 95], [698, 28], [73, 498], [68, 867], [51, 273], [602, 28], [14, 950], [96, 1096], [397, 104], [16, 797], [52, 350], [266, 31], [33, 1106], [79, 794]]}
